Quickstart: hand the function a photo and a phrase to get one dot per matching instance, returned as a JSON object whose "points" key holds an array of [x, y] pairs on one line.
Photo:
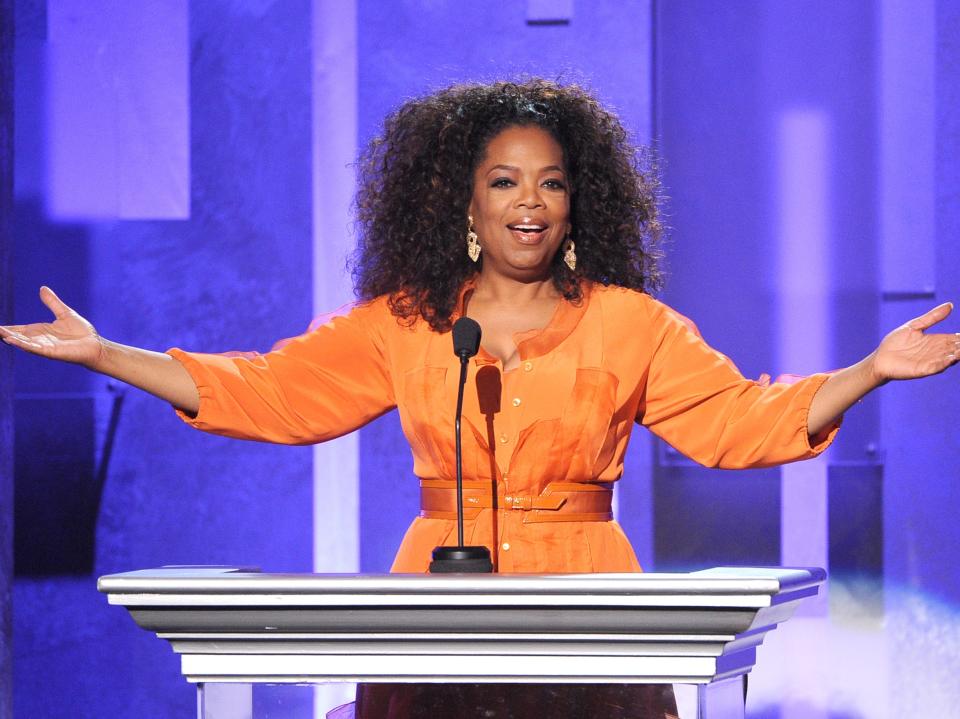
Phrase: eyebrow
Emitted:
{"points": [[548, 168]]}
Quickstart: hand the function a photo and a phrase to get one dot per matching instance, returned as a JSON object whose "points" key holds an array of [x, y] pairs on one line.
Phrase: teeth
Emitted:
{"points": [[535, 228]]}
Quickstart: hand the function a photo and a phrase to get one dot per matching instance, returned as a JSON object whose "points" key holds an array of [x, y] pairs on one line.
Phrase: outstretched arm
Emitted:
{"points": [[71, 338], [905, 353]]}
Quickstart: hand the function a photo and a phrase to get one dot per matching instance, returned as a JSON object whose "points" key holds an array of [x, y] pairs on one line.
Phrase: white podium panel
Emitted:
{"points": [[239, 625]]}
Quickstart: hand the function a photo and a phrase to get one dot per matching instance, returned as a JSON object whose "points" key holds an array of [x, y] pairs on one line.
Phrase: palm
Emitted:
{"points": [[908, 353], [69, 337]]}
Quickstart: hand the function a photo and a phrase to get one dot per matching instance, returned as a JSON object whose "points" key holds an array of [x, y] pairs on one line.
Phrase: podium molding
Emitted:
{"points": [[238, 625]]}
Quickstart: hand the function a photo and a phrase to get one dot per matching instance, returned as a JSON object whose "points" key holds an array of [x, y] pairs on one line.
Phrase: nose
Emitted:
{"points": [[529, 195]]}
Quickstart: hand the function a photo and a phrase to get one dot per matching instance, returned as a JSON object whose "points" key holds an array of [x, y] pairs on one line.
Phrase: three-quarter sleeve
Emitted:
{"points": [[696, 400], [315, 387]]}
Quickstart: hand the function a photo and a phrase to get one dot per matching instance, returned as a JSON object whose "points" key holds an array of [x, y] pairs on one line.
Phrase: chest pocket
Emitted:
{"points": [[426, 416], [586, 420], [569, 447]]}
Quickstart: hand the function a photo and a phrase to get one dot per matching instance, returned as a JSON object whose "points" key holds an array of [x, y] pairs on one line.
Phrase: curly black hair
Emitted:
{"points": [[416, 182]]}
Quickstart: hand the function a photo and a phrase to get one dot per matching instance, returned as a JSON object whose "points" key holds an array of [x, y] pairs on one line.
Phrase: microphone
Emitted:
{"points": [[466, 338], [448, 560]]}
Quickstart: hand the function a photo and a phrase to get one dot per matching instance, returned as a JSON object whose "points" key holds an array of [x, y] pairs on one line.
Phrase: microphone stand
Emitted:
{"points": [[461, 559], [459, 451]]}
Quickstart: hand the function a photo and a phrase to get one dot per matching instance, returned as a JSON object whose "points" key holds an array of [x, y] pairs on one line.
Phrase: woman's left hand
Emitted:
{"points": [[905, 353], [908, 353]]}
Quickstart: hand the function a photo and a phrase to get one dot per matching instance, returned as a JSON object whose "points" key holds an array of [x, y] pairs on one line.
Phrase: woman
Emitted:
{"points": [[523, 207]]}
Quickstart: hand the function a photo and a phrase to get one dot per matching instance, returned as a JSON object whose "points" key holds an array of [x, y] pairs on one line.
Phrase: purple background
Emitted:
{"points": [[163, 182]]}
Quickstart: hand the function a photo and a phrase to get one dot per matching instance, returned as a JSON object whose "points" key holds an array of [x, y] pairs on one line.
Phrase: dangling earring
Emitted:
{"points": [[473, 242], [569, 256]]}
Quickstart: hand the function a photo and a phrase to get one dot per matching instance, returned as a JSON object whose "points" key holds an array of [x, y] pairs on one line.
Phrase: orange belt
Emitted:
{"points": [[558, 502]]}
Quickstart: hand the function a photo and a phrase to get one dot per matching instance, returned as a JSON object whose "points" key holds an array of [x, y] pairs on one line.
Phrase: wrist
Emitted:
{"points": [[101, 361], [873, 376]]}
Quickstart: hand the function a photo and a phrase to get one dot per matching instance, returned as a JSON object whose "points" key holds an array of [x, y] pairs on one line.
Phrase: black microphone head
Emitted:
{"points": [[466, 337]]}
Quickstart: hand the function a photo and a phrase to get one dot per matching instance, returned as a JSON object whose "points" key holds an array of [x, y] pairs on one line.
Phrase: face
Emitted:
{"points": [[521, 203]]}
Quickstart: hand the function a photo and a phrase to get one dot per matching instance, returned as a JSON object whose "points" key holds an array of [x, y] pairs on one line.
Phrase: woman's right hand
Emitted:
{"points": [[72, 339], [69, 337]]}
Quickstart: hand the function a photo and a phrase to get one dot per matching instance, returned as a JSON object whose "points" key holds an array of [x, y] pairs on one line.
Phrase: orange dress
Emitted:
{"points": [[564, 415]]}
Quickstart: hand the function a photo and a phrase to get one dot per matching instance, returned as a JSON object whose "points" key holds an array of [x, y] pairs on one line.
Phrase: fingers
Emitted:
{"points": [[948, 361], [945, 351], [937, 314], [54, 303], [12, 336], [953, 348]]}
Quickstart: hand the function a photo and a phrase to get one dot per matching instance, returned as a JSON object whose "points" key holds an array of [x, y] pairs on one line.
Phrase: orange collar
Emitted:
{"points": [[537, 342]]}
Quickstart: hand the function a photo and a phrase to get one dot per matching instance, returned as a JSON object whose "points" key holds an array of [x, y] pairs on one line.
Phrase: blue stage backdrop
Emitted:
{"points": [[169, 182], [6, 360], [227, 270]]}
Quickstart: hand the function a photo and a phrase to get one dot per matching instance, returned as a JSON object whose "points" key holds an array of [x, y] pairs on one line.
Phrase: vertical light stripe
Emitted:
{"points": [[334, 149], [633, 494], [334, 103], [224, 700], [803, 317], [803, 342], [907, 127]]}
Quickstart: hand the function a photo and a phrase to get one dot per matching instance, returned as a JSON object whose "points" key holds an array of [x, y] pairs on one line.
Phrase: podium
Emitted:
{"points": [[237, 625]]}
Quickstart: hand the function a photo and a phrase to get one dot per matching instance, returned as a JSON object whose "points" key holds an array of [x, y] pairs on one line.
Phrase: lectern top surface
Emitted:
{"points": [[244, 580]]}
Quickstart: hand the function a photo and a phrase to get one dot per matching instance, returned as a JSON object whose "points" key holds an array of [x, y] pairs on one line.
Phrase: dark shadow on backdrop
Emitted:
{"points": [[708, 517]]}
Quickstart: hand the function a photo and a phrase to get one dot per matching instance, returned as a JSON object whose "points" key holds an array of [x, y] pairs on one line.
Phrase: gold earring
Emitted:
{"points": [[473, 242], [569, 256]]}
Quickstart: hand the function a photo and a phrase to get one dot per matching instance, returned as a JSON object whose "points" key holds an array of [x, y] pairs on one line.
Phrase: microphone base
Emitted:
{"points": [[461, 560]]}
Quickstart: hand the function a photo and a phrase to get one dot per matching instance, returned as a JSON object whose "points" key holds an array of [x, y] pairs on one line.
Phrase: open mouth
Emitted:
{"points": [[528, 233]]}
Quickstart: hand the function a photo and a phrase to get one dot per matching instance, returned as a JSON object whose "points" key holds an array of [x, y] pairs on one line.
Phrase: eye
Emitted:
{"points": [[502, 182], [555, 184]]}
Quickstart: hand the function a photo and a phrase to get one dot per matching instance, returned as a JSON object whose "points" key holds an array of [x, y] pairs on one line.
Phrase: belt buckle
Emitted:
{"points": [[514, 501]]}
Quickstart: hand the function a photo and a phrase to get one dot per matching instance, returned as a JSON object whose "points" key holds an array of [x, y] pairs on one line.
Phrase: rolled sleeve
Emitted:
{"points": [[699, 402], [320, 385]]}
